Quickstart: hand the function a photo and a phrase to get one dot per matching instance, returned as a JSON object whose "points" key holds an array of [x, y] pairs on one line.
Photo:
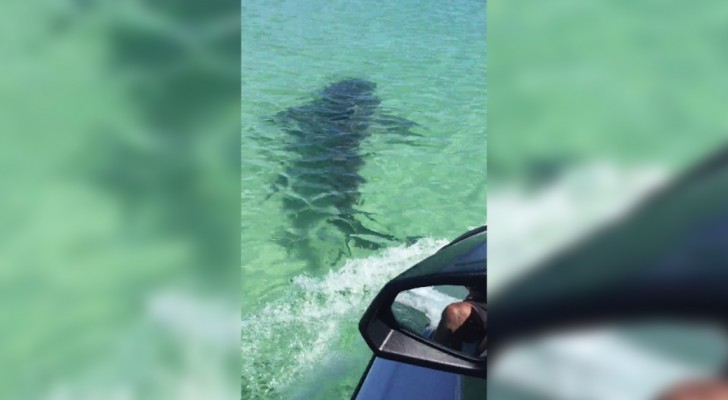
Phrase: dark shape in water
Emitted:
{"points": [[322, 179]]}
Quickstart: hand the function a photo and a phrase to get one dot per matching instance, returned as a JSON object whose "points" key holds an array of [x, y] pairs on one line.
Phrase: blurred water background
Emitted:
{"points": [[119, 248], [120, 169], [428, 61], [591, 107]]}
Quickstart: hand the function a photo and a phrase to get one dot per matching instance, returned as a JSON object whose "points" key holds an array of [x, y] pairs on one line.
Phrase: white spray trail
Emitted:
{"points": [[288, 338]]}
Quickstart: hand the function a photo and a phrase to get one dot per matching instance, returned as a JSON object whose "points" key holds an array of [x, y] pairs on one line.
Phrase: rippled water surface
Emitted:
{"points": [[346, 186]]}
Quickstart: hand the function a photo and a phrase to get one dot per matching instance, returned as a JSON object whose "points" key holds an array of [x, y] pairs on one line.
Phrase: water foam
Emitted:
{"points": [[287, 339], [598, 365], [180, 348], [526, 226]]}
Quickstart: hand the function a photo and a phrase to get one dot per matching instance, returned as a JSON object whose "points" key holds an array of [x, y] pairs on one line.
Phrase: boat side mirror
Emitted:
{"points": [[434, 314], [437, 322]]}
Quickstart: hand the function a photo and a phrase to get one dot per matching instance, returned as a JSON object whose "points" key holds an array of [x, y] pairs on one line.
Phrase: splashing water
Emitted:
{"points": [[312, 326]]}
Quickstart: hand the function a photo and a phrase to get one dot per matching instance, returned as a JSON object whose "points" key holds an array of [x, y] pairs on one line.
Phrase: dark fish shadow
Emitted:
{"points": [[319, 183]]}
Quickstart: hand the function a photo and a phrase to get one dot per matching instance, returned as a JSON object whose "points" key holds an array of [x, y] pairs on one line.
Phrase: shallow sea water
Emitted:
{"points": [[298, 323]]}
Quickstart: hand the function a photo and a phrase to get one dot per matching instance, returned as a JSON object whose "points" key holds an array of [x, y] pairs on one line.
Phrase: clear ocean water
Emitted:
{"points": [[428, 61]]}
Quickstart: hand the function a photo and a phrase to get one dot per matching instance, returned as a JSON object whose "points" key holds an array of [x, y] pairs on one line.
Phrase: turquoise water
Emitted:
{"points": [[299, 336]]}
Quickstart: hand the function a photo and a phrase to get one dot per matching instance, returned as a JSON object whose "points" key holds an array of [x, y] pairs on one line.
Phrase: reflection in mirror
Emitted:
{"points": [[452, 316]]}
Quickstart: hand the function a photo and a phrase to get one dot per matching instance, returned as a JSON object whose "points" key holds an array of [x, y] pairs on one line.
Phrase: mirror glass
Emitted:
{"points": [[452, 316]]}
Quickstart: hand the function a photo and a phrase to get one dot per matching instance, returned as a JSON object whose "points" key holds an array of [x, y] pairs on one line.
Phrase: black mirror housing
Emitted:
{"points": [[462, 263]]}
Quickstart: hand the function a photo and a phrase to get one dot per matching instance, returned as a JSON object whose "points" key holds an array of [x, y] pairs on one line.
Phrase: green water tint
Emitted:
{"points": [[428, 64], [634, 82], [111, 158], [430, 70]]}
